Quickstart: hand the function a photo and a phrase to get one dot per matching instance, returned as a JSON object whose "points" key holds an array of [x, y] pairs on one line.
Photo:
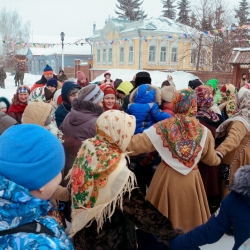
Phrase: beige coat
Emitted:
{"points": [[180, 198], [237, 137]]}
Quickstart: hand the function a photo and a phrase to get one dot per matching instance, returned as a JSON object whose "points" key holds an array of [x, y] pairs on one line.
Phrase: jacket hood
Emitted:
{"points": [[6, 121], [67, 86], [241, 181], [36, 113], [6, 101], [125, 87], [81, 112], [146, 93]]}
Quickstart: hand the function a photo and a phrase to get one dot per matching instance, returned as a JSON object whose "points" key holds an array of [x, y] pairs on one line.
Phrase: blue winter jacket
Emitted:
{"points": [[234, 212], [144, 106], [18, 207], [65, 107]]}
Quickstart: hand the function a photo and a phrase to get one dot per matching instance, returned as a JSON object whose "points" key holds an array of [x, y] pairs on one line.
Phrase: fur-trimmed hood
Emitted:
{"points": [[146, 93], [241, 181]]}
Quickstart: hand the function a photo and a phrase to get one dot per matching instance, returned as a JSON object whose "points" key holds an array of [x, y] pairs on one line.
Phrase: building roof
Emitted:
{"points": [[240, 56], [68, 50], [155, 25]]}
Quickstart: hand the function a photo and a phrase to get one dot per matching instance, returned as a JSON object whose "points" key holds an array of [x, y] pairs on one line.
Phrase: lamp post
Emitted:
{"points": [[62, 39]]}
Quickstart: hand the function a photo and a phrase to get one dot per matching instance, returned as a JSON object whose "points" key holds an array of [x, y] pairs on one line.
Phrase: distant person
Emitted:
{"points": [[86, 108], [52, 85], [242, 81], [81, 79], [109, 99], [107, 80], [69, 92], [47, 74], [19, 103], [61, 76], [19, 76], [3, 76]]}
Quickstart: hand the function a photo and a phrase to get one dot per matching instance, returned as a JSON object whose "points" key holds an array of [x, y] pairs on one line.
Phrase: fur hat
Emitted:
{"points": [[32, 167], [91, 93], [47, 70], [142, 77], [80, 76], [52, 82], [167, 93], [241, 181], [194, 83]]}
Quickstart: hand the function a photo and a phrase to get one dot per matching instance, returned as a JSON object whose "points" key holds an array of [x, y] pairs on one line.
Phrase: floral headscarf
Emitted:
{"points": [[180, 139], [99, 175], [242, 114], [228, 92], [205, 102]]}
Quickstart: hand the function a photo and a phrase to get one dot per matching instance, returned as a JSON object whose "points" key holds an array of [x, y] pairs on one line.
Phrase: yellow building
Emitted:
{"points": [[148, 44]]}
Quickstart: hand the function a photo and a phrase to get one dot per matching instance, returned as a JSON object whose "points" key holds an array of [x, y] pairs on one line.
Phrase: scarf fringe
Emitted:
{"points": [[109, 209]]}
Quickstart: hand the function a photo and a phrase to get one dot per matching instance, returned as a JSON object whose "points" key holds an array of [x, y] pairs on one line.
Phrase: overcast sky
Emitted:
{"points": [[74, 17]]}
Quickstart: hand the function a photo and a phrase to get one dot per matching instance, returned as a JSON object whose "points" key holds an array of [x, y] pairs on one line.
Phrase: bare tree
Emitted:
{"points": [[215, 49], [12, 28]]}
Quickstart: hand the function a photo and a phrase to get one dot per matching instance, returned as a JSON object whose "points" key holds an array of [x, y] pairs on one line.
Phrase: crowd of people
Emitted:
{"points": [[125, 162]]}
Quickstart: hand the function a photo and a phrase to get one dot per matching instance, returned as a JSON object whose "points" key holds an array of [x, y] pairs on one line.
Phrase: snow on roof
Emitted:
{"points": [[242, 49], [68, 50], [159, 24], [180, 78]]}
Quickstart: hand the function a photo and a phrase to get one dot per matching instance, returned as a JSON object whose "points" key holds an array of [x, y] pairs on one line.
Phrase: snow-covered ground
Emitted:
{"points": [[181, 80]]}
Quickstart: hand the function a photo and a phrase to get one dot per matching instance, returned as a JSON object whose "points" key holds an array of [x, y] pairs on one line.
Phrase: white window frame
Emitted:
{"points": [[98, 56], [152, 54], [104, 55], [152, 43], [203, 57], [110, 58], [130, 54], [121, 62], [174, 46]]}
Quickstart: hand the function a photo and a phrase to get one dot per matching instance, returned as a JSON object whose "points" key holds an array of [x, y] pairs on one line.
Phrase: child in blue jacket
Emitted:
{"points": [[144, 105], [233, 212]]}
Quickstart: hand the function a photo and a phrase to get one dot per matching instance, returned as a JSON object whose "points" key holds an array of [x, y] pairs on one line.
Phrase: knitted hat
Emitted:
{"points": [[91, 93], [47, 70], [142, 77], [109, 91], [3, 105], [80, 75], [107, 73], [167, 93], [23, 89], [52, 82], [212, 83], [125, 87], [22, 160], [194, 83]]}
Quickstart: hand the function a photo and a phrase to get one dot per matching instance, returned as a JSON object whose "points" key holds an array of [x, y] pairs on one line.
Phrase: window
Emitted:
{"points": [[104, 55], [163, 54], [151, 55], [193, 56], [174, 54], [110, 55], [121, 55], [203, 57], [98, 55], [131, 54]]}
